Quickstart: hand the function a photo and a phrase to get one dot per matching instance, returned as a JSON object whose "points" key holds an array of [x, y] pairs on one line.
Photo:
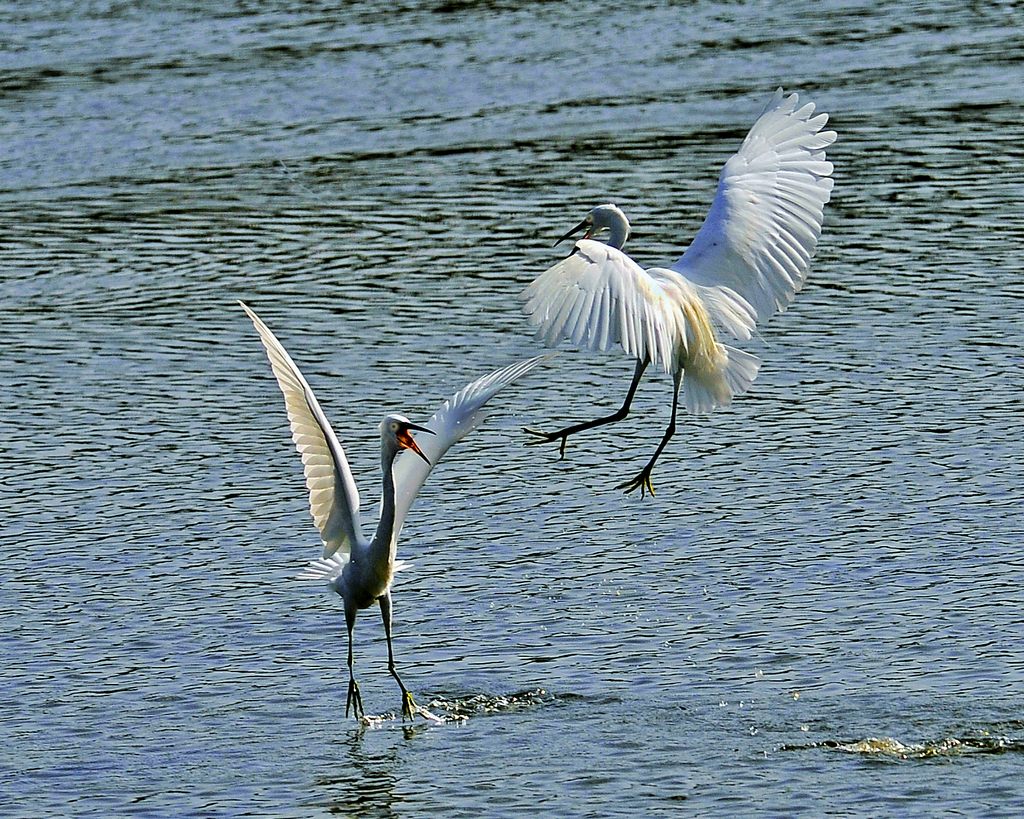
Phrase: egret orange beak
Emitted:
{"points": [[575, 230], [406, 441]]}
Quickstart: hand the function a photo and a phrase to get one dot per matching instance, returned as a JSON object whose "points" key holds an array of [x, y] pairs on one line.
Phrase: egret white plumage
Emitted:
{"points": [[362, 570], [747, 261]]}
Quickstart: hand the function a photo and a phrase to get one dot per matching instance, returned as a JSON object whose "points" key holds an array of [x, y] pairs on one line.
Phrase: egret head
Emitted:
{"points": [[396, 431], [601, 218]]}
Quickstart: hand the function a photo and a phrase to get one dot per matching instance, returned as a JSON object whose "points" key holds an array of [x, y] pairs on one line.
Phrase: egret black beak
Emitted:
{"points": [[575, 230], [406, 441]]}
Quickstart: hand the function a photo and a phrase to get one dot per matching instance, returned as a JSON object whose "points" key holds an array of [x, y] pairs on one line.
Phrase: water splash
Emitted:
{"points": [[442, 710], [474, 705]]}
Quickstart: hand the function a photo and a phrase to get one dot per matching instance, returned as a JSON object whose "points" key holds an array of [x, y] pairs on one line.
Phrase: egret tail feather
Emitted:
{"points": [[705, 388]]}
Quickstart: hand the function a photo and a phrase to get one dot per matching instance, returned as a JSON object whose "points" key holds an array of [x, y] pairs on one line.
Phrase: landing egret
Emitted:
{"points": [[746, 263], [361, 570]]}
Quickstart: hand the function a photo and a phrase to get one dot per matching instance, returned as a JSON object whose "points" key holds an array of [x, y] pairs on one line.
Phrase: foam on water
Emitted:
{"points": [[889, 747]]}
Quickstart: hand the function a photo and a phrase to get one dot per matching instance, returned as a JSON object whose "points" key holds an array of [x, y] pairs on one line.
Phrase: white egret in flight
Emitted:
{"points": [[745, 264], [361, 570]]}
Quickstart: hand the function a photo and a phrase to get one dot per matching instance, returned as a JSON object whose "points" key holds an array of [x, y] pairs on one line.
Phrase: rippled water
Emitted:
{"points": [[829, 578]]}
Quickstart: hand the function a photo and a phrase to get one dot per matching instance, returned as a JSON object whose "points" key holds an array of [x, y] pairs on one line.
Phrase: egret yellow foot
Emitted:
{"points": [[642, 482], [409, 706]]}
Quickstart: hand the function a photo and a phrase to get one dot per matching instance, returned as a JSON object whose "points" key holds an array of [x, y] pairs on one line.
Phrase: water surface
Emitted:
{"points": [[818, 613]]}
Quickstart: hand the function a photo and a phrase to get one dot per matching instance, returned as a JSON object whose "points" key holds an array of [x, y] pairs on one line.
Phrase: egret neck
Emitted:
{"points": [[618, 226], [384, 541]]}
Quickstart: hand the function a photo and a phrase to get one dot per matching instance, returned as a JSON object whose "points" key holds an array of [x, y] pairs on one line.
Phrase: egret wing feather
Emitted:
{"points": [[329, 569], [598, 297], [326, 569], [456, 418], [333, 496], [751, 255]]}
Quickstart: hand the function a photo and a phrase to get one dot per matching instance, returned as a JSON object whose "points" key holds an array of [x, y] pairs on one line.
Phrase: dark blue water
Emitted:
{"points": [[818, 614]]}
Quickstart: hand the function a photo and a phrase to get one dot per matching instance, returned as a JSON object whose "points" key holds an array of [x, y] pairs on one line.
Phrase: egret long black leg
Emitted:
{"points": [[618, 415], [353, 699], [409, 706], [643, 479]]}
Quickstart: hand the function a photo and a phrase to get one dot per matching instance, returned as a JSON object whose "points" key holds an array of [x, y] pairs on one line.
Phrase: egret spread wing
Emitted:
{"points": [[761, 232], [598, 297], [457, 417], [333, 497]]}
